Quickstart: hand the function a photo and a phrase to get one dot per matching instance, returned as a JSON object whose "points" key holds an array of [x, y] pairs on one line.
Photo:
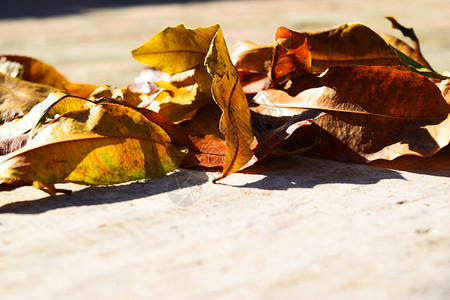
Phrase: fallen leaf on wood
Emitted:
{"points": [[291, 56], [229, 96], [346, 93], [36, 71], [376, 112], [106, 144], [177, 104], [18, 97], [176, 49]]}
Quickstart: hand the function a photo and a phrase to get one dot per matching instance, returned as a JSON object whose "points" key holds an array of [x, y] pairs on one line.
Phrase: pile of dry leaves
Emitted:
{"points": [[347, 93]]}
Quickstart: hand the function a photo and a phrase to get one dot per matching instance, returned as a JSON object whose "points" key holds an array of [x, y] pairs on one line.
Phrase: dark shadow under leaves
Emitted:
{"points": [[437, 165], [282, 173], [110, 194]]}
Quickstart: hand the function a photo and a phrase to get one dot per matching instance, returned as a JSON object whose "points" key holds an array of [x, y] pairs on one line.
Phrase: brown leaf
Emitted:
{"points": [[12, 144], [372, 112], [252, 57], [270, 139], [349, 44], [18, 97], [39, 72], [444, 87]]}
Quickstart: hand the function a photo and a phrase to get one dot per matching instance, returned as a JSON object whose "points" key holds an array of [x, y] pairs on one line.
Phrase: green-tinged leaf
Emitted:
{"points": [[405, 49], [176, 49], [106, 144], [415, 66], [415, 53], [229, 96]]}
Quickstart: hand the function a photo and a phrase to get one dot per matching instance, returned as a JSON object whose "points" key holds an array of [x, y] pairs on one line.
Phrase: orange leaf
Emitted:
{"points": [[291, 56], [230, 97]]}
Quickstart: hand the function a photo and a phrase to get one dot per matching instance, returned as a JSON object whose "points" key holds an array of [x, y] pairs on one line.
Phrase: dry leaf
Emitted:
{"points": [[39, 72], [176, 49], [18, 97], [177, 104], [106, 144], [205, 150], [291, 56], [229, 95], [252, 57], [373, 112]]}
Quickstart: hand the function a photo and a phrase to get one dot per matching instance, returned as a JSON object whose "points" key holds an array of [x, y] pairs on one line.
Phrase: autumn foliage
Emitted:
{"points": [[347, 93]]}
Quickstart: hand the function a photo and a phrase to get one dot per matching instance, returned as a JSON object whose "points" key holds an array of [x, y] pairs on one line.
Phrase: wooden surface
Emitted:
{"points": [[297, 228]]}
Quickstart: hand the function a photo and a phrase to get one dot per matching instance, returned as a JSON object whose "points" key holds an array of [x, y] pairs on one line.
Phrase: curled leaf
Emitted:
{"points": [[230, 97], [291, 56], [205, 149], [270, 139]]}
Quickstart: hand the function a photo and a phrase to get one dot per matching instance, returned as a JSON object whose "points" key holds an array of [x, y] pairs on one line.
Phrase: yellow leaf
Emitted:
{"points": [[176, 49], [229, 95], [177, 104], [106, 144]]}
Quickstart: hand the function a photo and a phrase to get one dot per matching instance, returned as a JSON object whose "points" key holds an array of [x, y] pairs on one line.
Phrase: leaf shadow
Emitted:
{"points": [[437, 165], [282, 173], [99, 195]]}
